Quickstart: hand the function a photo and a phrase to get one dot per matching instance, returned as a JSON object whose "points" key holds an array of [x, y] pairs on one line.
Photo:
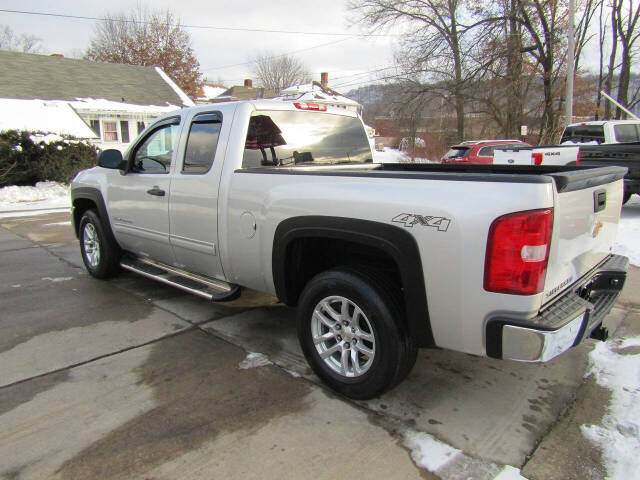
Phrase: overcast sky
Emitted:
{"points": [[347, 59], [217, 50]]}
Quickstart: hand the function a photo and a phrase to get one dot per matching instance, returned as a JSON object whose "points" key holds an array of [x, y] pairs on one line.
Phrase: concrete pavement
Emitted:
{"points": [[132, 379]]}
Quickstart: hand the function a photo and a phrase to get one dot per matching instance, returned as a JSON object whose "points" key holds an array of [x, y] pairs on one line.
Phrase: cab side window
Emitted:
{"points": [[202, 143], [154, 154]]}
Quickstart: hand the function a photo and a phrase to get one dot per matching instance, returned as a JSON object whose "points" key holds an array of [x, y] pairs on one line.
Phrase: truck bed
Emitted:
{"points": [[566, 177]]}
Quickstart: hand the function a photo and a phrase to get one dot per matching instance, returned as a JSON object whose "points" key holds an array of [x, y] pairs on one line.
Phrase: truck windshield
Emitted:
{"points": [[583, 134], [286, 138]]}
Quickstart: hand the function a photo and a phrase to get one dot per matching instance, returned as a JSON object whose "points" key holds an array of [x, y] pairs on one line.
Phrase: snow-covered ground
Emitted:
{"points": [[616, 366], [628, 240], [392, 155]]}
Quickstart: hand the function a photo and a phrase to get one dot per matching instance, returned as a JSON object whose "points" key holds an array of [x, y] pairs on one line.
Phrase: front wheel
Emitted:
{"points": [[100, 255], [352, 333], [626, 196]]}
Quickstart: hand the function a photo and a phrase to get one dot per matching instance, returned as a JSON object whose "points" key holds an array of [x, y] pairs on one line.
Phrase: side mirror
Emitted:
{"points": [[111, 158]]}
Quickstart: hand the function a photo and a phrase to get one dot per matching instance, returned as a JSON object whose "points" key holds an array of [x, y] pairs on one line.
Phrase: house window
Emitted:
{"points": [[95, 126], [140, 127], [110, 131], [124, 131]]}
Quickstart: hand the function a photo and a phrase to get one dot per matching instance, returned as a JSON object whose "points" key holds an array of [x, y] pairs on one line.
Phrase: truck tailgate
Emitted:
{"points": [[586, 216]]}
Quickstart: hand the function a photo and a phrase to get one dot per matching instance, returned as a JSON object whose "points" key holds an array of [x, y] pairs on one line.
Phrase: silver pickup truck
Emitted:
{"points": [[512, 262]]}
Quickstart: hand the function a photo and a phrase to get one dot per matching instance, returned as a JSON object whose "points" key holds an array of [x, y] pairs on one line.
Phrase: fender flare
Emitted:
{"points": [[95, 196], [399, 244]]}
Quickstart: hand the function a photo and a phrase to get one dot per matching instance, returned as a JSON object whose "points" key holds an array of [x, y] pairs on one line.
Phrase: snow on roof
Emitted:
{"points": [[183, 96], [211, 91], [42, 116], [312, 92], [102, 105]]}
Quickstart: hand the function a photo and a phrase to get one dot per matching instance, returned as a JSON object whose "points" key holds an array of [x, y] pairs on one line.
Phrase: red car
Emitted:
{"points": [[478, 151]]}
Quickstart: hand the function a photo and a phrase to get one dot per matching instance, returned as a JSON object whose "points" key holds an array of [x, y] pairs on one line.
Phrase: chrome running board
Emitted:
{"points": [[209, 288]]}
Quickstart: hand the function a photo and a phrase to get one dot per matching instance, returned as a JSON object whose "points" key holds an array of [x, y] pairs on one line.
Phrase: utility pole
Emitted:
{"points": [[570, 64]]}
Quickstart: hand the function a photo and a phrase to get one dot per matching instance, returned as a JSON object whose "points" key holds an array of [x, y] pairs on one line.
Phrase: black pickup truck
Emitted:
{"points": [[618, 154]]}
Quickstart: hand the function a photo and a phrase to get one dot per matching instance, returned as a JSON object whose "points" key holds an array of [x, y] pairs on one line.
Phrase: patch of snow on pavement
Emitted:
{"points": [[509, 473], [628, 239], [429, 452], [57, 279], [619, 434], [56, 224], [254, 360]]}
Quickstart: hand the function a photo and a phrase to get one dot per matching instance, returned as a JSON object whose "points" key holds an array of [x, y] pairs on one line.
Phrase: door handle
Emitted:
{"points": [[156, 191]]}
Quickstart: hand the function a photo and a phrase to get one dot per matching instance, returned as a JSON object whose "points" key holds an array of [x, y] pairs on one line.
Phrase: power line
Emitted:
{"points": [[208, 69], [203, 27]]}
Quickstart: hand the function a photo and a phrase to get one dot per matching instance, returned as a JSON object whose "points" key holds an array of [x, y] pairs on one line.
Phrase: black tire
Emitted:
{"points": [[380, 303], [107, 263], [626, 196]]}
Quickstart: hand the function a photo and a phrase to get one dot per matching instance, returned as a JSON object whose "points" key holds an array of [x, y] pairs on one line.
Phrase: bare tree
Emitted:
{"points": [[9, 40], [148, 39], [276, 72], [438, 47], [626, 23]]}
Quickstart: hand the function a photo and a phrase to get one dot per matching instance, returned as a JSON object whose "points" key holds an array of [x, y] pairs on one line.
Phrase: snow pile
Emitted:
{"points": [[254, 360], [616, 367], [42, 191], [628, 239], [390, 155], [45, 197]]}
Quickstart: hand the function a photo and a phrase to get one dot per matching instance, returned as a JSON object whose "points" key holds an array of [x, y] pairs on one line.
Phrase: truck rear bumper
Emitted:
{"points": [[565, 323]]}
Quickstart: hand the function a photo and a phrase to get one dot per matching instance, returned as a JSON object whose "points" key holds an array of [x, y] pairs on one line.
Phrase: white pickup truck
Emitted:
{"points": [[380, 259], [545, 155]]}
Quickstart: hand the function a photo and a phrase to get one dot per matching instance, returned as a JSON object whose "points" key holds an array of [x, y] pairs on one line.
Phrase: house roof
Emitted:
{"points": [[245, 93], [29, 76]]}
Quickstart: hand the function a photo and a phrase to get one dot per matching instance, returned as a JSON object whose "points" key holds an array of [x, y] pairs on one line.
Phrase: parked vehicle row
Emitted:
{"points": [[603, 143], [512, 262]]}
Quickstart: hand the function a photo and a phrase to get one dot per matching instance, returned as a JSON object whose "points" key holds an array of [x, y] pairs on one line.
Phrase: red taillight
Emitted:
{"points": [[537, 158], [318, 107], [518, 252], [578, 158]]}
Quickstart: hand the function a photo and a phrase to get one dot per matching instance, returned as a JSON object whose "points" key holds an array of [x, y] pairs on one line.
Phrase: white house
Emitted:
{"points": [[106, 103]]}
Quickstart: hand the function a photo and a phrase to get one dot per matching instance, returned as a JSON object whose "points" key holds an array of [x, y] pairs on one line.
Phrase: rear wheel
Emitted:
{"points": [[351, 332], [100, 255], [626, 196]]}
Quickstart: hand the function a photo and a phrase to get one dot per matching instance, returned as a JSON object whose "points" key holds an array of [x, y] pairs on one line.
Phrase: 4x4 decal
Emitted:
{"points": [[411, 219]]}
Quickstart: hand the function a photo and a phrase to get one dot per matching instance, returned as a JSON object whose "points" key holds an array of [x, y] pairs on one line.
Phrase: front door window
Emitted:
{"points": [[155, 153]]}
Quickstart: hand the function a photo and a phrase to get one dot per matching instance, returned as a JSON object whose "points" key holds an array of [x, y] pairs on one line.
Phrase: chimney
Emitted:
{"points": [[324, 79], [248, 83], [57, 55]]}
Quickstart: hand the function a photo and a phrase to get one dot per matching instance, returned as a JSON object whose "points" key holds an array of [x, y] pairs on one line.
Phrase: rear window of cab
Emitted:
{"points": [[290, 138]]}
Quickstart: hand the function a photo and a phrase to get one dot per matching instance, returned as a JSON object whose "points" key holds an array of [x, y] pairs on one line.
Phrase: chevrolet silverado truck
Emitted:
{"points": [[379, 259]]}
